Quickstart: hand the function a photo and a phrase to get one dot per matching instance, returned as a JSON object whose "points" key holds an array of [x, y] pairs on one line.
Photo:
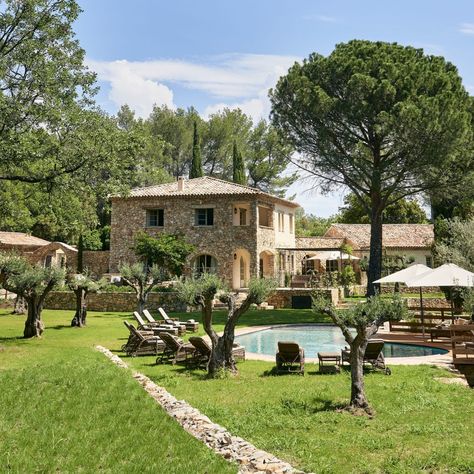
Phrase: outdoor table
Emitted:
{"points": [[329, 362]]}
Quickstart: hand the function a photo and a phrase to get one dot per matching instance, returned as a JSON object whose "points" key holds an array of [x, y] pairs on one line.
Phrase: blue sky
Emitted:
{"points": [[216, 53]]}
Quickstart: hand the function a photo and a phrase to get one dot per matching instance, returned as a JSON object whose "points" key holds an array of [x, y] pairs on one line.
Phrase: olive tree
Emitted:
{"points": [[365, 320], [82, 284], [142, 279], [32, 283], [201, 292], [384, 120]]}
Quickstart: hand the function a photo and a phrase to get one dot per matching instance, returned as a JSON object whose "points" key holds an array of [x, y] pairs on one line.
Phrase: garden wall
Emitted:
{"points": [[114, 301], [284, 297]]}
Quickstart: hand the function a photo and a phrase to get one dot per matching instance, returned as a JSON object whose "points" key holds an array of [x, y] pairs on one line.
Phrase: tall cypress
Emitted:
{"points": [[196, 164], [238, 166]]}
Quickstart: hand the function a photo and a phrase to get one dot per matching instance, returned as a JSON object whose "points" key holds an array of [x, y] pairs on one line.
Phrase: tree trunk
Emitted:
{"points": [[79, 319], [375, 258], [222, 358], [34, 327], [20, 305], [358, 398]]}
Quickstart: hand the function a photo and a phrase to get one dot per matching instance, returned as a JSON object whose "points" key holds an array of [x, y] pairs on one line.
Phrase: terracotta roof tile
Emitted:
{"points": [[319, 242], [19, 238], [394, 235], [205, 186]]}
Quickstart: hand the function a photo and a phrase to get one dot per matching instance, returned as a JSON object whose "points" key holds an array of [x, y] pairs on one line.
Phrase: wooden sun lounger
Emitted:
{"points": [[176, 350], [373, 355], [142, 342], [290, 357], [156, 328], [171, 323], [204, 349], [190, 324]]}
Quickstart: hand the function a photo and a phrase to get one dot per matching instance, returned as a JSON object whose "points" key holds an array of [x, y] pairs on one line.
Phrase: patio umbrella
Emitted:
{"points": [[448, 274], [407, 274], [402, 276]]}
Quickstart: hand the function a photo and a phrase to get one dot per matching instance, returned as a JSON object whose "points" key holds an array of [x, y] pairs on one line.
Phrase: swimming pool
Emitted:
{"points": [[320, 338]]}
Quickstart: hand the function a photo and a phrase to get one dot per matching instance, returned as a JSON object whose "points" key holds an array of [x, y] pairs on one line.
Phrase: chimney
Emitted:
{"points": [[180, 183]]}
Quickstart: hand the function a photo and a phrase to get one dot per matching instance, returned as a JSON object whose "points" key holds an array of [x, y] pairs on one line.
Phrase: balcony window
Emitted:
{"points": [[204, 217], [155, 217]]}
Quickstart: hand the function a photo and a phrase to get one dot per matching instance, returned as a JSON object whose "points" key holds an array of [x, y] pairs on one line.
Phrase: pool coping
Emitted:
{"points": [[442, 360]]}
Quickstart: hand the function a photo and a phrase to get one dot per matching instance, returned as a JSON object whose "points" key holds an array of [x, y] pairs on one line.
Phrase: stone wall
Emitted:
{"points": [[282, 298], [97, 261], [114, 301]]}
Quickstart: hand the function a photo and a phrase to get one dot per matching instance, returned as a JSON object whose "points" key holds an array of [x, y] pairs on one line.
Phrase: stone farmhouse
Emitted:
{"points": [[235, 229]]}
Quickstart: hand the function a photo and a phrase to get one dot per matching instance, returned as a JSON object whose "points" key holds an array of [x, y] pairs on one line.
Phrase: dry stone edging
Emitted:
{"points": [[233, 448]]}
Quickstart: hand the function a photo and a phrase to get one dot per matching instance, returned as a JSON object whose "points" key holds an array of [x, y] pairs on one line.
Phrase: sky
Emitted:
{"points": [[212, 54]]}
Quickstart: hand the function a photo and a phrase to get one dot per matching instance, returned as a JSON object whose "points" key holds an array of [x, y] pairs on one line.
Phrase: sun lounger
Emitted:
{"points": [[373, 355], [153, 322], [142, 342], [290, 357], [204, 349], [156, 329], [191, 325], [176, 350]]}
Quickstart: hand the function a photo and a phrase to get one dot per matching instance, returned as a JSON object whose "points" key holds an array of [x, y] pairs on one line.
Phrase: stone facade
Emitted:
{"points": [[238, 248]]}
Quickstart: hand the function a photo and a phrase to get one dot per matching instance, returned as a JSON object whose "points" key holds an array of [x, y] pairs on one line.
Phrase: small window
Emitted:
{"points": [[48, 261], [281, 222], [155, 217], [332, 265], [242, 216], [429, 261], [204, 264], [204, 216], [292, 230]]}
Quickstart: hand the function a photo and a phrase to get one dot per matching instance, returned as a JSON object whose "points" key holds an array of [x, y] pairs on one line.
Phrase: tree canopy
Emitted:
{"points": [[384, 120], [404, 211]]}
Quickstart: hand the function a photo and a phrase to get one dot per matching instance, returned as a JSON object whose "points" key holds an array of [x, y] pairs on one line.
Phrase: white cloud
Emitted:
{"points": [[467, 28], [128, 87], [237, 79]]}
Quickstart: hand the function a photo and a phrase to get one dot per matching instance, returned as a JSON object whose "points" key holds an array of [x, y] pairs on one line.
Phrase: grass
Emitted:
{"points": [[56, 398], [65, 408]]}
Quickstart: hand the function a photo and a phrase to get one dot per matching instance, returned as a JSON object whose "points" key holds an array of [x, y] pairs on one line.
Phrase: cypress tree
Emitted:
{"points": [[196, 164], [238, 166]]}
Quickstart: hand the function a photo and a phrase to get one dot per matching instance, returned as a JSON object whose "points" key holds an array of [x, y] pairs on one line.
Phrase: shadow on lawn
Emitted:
{"points": [[316, 405]]}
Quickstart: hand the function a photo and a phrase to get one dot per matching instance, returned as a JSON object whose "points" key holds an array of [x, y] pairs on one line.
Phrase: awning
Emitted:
{"points": [[332, 255]]}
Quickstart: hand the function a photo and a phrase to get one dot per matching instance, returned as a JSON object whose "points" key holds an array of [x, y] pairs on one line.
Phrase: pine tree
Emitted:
{"points": [[196, 164], [238, 166]]}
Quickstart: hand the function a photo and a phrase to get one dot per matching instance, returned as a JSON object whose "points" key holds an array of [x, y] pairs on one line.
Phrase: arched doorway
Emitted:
{"points": [[204, 264], [266, 264], [241, 269]]}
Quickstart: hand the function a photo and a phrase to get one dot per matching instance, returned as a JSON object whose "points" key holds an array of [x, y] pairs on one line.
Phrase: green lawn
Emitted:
{"points": [[56, 398]]}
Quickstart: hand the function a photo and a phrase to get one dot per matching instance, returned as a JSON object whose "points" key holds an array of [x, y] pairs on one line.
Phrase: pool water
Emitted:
{"points": [[320, 338]]}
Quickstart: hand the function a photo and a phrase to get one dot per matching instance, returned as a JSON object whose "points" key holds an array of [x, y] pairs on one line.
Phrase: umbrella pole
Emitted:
{"points": [[422, 314]]}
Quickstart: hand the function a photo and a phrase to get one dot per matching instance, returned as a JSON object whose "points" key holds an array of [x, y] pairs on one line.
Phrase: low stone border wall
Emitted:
{"points": [[282, 297], [116, 301], [217, 438]]}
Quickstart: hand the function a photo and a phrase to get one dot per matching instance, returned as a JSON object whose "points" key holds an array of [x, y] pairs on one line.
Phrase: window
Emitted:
{"points": [[429, 261], [204, 264], [332, 265], [242, 216], [48, 261], [265, 216], [292, 230], [155, 217], [204, 216], [281, 222]]}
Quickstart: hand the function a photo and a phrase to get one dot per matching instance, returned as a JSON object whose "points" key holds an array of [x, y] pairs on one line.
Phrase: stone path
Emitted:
{"points": [[216, 437]]}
